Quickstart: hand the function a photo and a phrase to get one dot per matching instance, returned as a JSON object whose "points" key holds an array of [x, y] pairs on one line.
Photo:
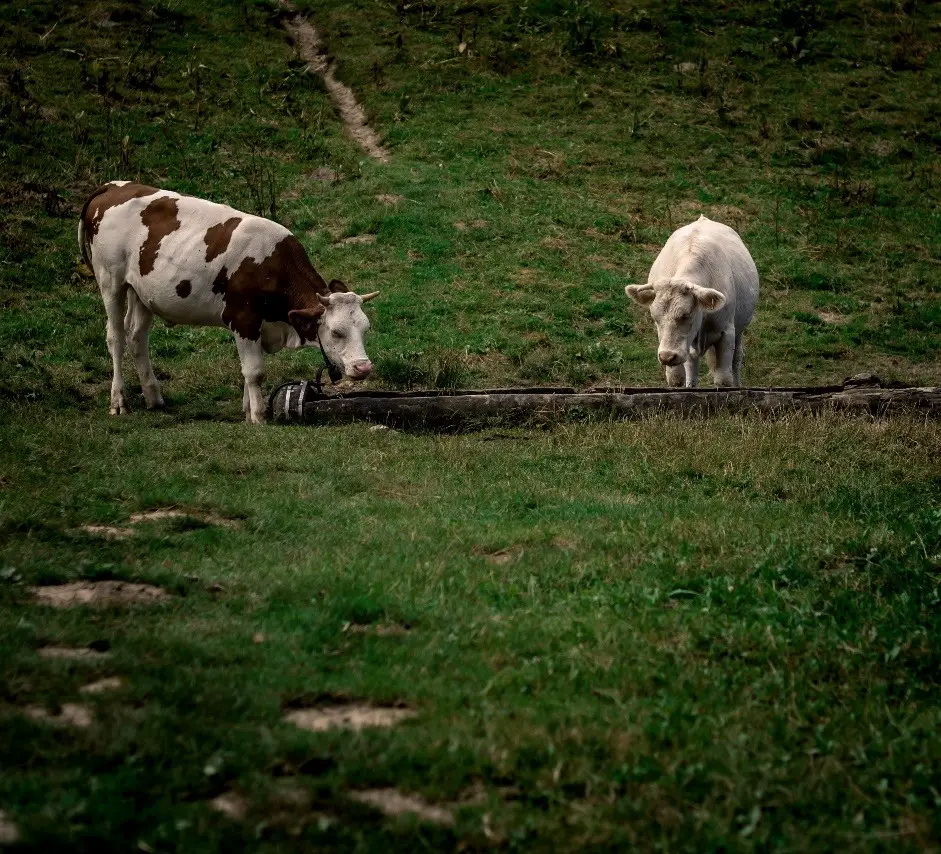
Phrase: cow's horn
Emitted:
{"points": [[368, 297]]}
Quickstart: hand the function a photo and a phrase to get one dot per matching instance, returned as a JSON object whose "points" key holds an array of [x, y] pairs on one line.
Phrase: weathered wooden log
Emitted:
{"points": [[302, 402]]}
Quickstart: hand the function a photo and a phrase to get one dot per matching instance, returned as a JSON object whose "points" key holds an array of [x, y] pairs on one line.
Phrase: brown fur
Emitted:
{"points": [[283, 282], [184, 288], [160, 218], [109, 196], [218, 236]]}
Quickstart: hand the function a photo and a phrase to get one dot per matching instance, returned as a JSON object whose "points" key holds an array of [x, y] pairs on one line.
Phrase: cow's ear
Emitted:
{"points": [[304, 320], [337, 287], [644, 294], [709, 298]]}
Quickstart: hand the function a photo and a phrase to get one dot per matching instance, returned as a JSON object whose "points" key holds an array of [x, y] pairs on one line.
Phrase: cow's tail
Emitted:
{"points": [[84, 244]]}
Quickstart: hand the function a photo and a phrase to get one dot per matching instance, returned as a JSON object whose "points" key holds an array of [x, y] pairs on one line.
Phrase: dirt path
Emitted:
{"points": [[311, 50]]}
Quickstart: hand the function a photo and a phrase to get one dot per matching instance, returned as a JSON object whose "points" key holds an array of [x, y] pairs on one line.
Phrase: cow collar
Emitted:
{"points": [[332, 370]]}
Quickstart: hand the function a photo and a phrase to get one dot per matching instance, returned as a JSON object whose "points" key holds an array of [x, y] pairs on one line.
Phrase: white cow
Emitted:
{"points": [[198, 263], [702, 291]]}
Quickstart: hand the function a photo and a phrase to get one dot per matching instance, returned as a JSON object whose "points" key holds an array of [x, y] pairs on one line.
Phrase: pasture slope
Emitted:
{"points": [[665, 635]]}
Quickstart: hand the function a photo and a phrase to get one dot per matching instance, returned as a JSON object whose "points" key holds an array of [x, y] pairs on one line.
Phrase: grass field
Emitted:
{"points": [[669, 634]]}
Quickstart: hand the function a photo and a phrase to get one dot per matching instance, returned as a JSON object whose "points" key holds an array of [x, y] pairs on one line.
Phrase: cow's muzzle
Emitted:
{"points": [[360, 370], [670, 358]]}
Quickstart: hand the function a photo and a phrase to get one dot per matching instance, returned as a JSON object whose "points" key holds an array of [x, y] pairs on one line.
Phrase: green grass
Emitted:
{"points": [[670, 634]]}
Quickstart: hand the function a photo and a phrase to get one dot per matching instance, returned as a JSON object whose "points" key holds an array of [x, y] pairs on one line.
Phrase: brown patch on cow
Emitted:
{"points": [[109, 196], [98, 593], [70, 714], [160, 219], [269, 289], [392, 802], [221, 283], [101, 686], [347, 715], [9, 832], [184, 289], [109, 532], [71, 653], [218, 236]]}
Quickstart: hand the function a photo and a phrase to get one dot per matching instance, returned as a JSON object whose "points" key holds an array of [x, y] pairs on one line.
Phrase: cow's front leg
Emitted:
{"points": [[723, 374], [253, 370], [691, 367], [113, 298]]}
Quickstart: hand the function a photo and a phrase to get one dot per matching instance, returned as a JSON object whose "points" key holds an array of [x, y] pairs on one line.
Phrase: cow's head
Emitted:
{"points": [[677, 307], [338, 323]]}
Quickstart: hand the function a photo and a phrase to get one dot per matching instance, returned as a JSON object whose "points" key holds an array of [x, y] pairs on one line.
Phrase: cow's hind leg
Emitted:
{"points": [[737, 359], [113, 294], [253, 370], [137, 323]]}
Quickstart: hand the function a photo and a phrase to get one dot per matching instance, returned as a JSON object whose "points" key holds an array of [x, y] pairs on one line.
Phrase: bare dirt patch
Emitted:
{"points": [[311, 49], [102, 686], [356, 240], [351, 716], [9, 832], [109, 532], [70, 714], [833, 317], [392, 802], [324, 173], [389, 199], [98, 593], [378, 629], [161, 513], [498, 556], [231, 804], [77, 653]]}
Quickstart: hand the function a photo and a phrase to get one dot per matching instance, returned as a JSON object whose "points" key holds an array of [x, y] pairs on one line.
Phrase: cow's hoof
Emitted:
{"points": [[159, 404], [118, 410]]}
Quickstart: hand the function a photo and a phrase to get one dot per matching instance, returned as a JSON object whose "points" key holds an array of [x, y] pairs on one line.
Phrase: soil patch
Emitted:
{"points": [[833, 317], [9, 832], [392, 802], [102, 686], [356, 240], [389, 199], [311, 49], [231, 805], [98, 593], [497, 556], [70, 714], [161, 513], [351, 716], [382, 630], [76, 653], [109, 532]]}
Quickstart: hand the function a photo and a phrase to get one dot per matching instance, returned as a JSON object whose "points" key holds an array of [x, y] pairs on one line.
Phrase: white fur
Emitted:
{"points": [[702, 290]]}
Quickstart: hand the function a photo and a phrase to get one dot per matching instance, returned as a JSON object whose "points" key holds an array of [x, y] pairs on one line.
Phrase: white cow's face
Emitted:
{"points": [[677, 307], [342, 327], [338, 324]]}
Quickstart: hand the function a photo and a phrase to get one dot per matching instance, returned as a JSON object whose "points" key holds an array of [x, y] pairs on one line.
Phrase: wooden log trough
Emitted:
{"points": [[302, 402]]}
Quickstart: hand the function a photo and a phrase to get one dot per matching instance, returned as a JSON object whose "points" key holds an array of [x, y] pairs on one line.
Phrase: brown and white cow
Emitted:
{"points": [[194, 262]]}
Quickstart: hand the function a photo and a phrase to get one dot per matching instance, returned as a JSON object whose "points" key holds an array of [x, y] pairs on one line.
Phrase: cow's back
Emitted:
{"points": [[713, 255], [177, 252]]}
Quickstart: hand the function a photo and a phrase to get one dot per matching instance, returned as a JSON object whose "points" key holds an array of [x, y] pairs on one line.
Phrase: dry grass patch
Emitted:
{"points": [[392, 802], [78, 653], [70, 714], [102, 686], [379, 629], [9, 832], [159, 514], [109, 532], [98, 593], [498, 556], [356, 240], [231, 804], [355, 716]]}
